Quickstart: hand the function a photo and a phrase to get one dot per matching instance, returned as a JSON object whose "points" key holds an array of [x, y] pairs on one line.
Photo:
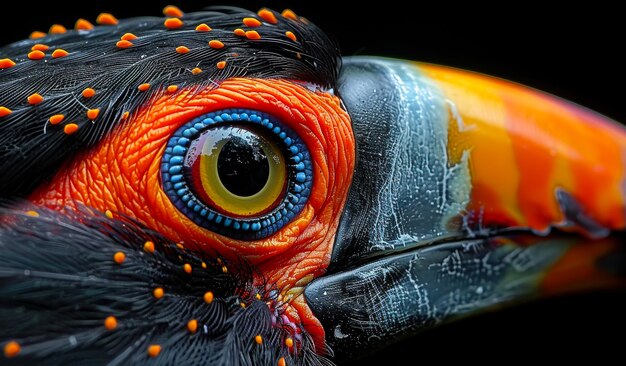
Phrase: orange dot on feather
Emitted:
{"points": [[128, 37], [173, 11], [70, 129], [251, 22], [158, 292], [148, 246], [196, 70], [143, 87], [37, 34], [12, 349], [119, 257], [56, 119], [173, 23], [83, 24], [254, 35], [203, 28], [124, 44], [40, 47], [239, 32], [192, 325], [110, 323], [58, 53], [57, 29], [268, 16], [208, 297], [93, 113], [182, 50], [172, 88], [5, 63], [88, 93], [4, 111], [289, 14], [34, 99], [36, 55], [216, 44], [291, 36], [220, 65], [106, 19], [154, 350]]}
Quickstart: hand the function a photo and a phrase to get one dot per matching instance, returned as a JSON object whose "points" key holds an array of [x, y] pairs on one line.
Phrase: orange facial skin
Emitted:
{"points": [[524, 145], [122, 174]]}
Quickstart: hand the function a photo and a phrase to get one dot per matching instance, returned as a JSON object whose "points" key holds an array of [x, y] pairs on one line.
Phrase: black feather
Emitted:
{"points": [[59, 282], [31, 149]]}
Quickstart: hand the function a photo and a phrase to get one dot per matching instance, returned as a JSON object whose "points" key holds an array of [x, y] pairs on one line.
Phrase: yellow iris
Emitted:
{"points": [[215, 189]]}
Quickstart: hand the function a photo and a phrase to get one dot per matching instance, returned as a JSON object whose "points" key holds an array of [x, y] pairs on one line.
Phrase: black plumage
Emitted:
{"points": [[59, 282], [31, 149]]}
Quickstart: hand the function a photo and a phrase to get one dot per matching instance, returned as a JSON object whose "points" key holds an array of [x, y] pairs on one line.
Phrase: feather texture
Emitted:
{"points": [[60, 281], [31, 148]]}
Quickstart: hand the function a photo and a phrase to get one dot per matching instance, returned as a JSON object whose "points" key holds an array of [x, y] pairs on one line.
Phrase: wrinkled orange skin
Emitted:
{"points": [[122, 174]]}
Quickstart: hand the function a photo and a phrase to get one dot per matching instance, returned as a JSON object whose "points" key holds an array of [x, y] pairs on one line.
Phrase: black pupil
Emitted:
{"points": [[242, 166]]}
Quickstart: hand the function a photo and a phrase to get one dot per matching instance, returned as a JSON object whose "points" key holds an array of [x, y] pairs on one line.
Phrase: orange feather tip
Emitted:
{"points": [[173, 11], [88, 93], [128, 37], [173, 23], [57, 29], [110, 323], [253, 35], [56, 119], [40, 47], [289, 14], [83, 24], [291, 36], [154, 350], [268, 16], [34, 99], [119, 257], [71, 129], [93, 114], [5, 63], [106, 19], [203, 28], [4, 111], [124, 44], [58, 53], [251, 22], [216, 44], [37, 34], [12, 349], [36, 55], [182, 50]]}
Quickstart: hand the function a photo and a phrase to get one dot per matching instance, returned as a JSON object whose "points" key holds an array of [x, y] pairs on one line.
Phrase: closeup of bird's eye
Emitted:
{"points": [[240, 173], [221, 186]]}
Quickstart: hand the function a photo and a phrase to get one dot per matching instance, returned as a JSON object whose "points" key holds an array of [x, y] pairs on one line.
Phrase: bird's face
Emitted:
{"points": [[368, 201], [129, 173]]}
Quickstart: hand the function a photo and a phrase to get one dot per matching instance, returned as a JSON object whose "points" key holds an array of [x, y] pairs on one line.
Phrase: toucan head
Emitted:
{"points": [[222, 187]]}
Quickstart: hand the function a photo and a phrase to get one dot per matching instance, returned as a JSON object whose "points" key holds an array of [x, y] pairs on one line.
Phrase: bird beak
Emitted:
{"points": [[464, 189]]}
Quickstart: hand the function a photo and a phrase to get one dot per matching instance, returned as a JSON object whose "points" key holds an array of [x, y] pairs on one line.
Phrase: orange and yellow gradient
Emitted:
{"points": [[524, 145]]}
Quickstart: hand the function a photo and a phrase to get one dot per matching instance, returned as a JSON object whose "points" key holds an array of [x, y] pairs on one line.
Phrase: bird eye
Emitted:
{"points": [[240, 173]]}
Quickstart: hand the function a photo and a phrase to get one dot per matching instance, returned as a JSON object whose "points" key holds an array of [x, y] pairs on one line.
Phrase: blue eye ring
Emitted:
{"points": [[180, 191]]}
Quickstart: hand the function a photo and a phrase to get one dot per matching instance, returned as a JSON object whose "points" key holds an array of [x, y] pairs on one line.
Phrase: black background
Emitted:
{"points": [[573, 51]]}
